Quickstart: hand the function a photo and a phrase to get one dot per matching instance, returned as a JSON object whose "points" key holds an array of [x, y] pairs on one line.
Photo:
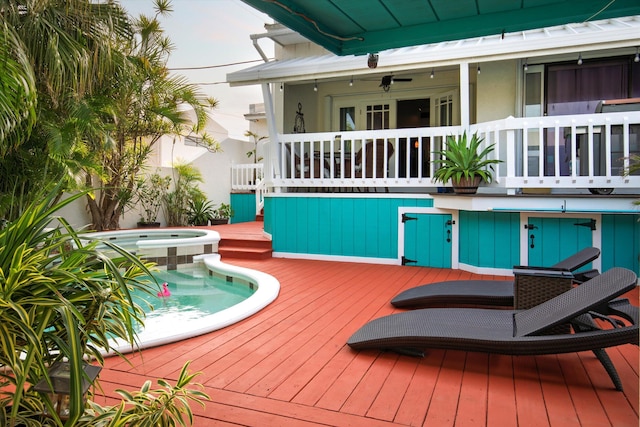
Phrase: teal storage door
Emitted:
{"points": [[553, 239], [427, 240]]}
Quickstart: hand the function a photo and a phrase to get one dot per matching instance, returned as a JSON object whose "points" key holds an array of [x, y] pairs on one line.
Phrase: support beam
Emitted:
{"points": [[271, 163]]}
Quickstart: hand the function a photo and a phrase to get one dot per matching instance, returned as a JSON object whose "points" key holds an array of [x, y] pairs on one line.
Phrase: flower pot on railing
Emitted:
{"points": [[465, 163], [466, 185]]}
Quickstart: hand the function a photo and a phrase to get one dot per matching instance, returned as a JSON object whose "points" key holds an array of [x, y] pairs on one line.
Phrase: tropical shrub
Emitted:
{"points": [[61, 298]]}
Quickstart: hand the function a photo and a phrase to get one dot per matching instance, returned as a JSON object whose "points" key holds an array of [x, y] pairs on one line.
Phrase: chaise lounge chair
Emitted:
{"points": [[485, 292], [525, 332]]}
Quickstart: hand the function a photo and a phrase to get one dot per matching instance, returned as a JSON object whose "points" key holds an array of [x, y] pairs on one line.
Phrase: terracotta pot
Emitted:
{"points": [[466, 185], [220, 221], [148, 224]]}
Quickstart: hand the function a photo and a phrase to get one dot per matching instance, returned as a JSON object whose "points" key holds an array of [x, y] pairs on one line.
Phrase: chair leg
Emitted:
{"points": [[586, 323], [604, 358]]}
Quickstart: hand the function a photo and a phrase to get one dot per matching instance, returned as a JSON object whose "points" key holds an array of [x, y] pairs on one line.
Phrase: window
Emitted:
{"points": [[377, 116], [347, 118]]}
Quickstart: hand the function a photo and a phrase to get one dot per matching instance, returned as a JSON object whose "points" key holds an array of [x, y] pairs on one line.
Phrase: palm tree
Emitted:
{"points": [[55, 53], [144, 103], [18, 97]]}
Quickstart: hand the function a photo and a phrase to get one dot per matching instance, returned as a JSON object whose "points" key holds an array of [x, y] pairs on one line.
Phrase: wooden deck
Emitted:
{"points": [[289, 365]]}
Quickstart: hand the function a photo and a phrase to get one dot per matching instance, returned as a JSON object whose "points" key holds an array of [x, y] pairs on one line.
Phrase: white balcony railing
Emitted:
{"points": [[246, 177], [581, 151]]}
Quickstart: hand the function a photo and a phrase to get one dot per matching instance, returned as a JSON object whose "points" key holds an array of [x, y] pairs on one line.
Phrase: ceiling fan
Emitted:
{"points": [[388, 80]]}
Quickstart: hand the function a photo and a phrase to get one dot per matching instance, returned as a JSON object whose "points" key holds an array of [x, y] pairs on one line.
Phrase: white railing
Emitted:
{"points": [[580, 151], [261, 190], [245, 177]]}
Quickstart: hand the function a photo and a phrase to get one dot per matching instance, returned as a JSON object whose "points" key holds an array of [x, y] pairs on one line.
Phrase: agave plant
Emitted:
{"points": [[61, 298], [463, 159]]}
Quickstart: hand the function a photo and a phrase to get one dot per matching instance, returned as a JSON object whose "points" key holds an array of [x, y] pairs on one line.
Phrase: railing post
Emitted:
{"points": [[511, 157]]}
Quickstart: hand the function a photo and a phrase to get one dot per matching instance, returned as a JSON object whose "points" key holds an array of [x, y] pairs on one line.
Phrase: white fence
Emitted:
{"points": [[581, 151]]}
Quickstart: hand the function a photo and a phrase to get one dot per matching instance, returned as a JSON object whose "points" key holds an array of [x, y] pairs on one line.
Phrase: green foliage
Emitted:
{"points": [[464, 159], [256, 139], [166, 406], [61, 297], [223, 212], [151, 192], [200, 212], [55, 54], [185, 190]]}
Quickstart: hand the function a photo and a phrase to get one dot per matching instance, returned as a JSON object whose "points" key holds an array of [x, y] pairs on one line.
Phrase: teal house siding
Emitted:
{"points": [[244, 207], [620, 242], [337, 226], [489, 239]]}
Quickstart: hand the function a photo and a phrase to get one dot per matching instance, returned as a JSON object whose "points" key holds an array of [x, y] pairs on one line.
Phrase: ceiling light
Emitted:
{"points": [[478, 68], [526, 65], [351, 82], [315, 85], [580, 59], [281, 87], [433, 74], [637, 57]]}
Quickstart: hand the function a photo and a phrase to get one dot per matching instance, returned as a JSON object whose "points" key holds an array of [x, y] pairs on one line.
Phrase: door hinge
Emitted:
{"points": [[590, 224], [406, 218], [406, 260]]}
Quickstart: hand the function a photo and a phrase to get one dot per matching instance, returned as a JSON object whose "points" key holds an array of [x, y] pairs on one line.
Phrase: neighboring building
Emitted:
{"points": [[215, 168], [537, 94]]}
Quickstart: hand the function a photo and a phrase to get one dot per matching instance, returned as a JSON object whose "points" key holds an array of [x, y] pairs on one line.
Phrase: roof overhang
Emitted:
{"points": [[357, 27], [569, 38]]}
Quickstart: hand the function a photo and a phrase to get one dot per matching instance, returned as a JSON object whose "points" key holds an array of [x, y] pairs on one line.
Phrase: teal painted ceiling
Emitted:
{"points": [[347, 27]]}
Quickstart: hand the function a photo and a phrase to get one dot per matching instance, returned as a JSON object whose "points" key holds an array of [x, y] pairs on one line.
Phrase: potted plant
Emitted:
{"points": [[222, 214], [200, 212], [151, 192], [464, 163]]}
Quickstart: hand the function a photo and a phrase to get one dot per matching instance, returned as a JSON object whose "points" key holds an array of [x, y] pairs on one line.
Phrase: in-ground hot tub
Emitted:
{"points": [[167, 247]]}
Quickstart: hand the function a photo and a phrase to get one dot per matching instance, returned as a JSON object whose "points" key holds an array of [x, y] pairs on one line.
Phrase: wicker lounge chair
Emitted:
{"points": [[525, 332], [487, 292]]}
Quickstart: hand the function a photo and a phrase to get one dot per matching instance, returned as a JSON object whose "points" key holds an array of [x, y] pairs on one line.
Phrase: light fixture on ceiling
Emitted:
{"points": [[315, 85], [351, 82], [281, 87], [433, 74], [372, 60], [478, 69], [526, 65], [580, 59], [637, 57]]}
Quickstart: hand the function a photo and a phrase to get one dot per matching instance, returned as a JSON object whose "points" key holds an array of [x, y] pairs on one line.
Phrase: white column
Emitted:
{"points": [[464, 96], [271, 164]]}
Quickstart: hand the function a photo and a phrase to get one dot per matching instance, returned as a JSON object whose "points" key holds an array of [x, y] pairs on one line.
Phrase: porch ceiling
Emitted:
{"points": [[606, 34], [357, 27]]}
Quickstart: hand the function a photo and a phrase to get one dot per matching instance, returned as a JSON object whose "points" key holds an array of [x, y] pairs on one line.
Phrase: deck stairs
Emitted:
{"points": [[244, 241]]}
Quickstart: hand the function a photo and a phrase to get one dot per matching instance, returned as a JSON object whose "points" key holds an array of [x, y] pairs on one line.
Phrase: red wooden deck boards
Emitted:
{"points": [[289, 364]]}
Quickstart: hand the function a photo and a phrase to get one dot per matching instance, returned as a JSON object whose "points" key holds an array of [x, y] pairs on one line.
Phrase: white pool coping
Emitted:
{"points": [[161, 237]]}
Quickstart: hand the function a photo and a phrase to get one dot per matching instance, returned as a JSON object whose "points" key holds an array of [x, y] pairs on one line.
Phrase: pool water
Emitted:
{"points": [[195, 294]]}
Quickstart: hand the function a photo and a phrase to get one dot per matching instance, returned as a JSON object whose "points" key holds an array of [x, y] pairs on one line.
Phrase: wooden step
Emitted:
{"points": [[245, 248], [244, 252]]}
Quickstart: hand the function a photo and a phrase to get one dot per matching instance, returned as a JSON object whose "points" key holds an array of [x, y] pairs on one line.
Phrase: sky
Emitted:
{"points": [[214, 32]]}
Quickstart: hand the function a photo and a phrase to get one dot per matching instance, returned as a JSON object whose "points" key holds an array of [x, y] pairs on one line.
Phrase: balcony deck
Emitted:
{"points": [[289, 364]]}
